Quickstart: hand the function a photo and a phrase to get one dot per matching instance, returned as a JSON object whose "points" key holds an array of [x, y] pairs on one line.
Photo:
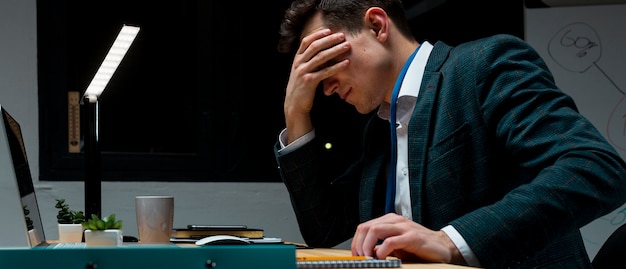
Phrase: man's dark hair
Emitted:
{"points": [[345, 14]]}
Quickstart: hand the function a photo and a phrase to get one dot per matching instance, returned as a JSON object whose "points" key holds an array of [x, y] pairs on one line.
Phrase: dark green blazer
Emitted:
{"points": [[495, 149]]}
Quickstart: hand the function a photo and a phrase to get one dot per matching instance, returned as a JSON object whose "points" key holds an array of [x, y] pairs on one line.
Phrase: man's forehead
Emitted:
{"points": [[315, 23]]}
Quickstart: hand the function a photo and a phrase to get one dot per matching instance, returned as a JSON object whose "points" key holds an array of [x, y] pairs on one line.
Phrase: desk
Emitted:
{"points": [[343, 252], [237, 251]]}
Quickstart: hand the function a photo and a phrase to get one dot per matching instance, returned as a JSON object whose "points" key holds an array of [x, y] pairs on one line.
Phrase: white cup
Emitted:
{"points": [[155, 218]]}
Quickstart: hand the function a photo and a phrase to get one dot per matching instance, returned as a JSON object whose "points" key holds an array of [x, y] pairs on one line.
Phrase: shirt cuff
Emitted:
{"points": [[459, 241], [282, 139]]}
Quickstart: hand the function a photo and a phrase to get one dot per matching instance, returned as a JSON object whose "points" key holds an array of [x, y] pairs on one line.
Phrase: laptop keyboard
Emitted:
{"points": [[69, 245]]}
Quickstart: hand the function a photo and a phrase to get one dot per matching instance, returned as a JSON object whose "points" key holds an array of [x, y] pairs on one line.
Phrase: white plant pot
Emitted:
{"points": [[70, 232], [110, 237]]}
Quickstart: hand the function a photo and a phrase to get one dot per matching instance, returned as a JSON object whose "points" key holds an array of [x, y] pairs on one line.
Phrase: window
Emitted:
{"points": [[198, 96], [185, 103]]}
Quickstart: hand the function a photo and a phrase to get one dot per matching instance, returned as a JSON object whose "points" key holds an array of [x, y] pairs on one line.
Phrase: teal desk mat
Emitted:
{"points": [[275, 256]]}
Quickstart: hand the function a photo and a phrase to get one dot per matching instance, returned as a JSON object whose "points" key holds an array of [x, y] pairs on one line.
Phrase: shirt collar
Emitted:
{"points": [[412, 79]]}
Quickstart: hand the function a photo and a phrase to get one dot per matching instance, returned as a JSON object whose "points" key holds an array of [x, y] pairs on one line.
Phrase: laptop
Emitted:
{"points": [[21, 219]]}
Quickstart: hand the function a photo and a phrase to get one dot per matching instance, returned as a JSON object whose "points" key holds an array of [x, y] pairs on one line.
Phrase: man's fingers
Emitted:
{"points": [[307, 40]]}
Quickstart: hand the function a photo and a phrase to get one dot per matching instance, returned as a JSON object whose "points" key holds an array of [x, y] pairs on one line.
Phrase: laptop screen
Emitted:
{"points": [[16, 180]]}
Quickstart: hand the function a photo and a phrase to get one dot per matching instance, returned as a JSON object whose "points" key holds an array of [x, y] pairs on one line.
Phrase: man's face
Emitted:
{"points": [[365, 81]]}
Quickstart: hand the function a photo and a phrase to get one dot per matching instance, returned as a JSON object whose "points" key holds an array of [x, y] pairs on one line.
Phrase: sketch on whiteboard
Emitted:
{"points": [[577, 48]]}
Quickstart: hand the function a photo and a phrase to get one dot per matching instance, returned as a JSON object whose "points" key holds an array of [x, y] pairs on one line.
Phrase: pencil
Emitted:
{"points": [[330, 258]]}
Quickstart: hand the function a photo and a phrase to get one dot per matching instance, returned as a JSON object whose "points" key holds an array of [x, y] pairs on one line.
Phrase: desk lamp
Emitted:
{"points": [[93, 171]]}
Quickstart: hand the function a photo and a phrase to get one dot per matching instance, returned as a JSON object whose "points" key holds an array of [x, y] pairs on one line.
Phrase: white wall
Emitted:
{"points": [[258, 205]]}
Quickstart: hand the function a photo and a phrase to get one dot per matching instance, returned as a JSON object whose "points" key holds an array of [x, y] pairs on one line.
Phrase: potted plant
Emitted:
{"points": [[103, 232], [69, 222]]}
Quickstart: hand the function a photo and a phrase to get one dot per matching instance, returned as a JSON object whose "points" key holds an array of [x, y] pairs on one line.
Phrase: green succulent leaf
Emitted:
{"points": [[95, 223], [66, 215]]}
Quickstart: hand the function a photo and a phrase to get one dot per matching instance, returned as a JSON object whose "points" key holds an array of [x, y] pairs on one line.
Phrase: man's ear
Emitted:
{"points": [[377, 21]]}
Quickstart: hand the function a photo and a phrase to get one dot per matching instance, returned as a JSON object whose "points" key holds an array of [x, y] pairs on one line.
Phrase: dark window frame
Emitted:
{"points": [[233, 132]]}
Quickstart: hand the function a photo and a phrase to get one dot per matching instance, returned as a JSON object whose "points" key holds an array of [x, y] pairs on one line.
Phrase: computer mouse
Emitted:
{"points": [[222, 240]]}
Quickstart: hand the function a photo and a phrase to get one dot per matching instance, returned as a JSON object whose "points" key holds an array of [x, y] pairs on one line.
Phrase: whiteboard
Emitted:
{"points": [[585, 48]]}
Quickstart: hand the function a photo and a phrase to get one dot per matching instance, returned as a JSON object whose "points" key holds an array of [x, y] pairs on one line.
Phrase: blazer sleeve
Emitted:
{"points": [[326, 205]]}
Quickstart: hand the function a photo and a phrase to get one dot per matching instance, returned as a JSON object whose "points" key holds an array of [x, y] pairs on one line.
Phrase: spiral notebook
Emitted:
{"points": [[347, 263]]}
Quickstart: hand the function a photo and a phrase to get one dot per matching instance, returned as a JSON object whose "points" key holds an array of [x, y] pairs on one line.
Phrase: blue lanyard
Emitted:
{"points": [[391, 178]]}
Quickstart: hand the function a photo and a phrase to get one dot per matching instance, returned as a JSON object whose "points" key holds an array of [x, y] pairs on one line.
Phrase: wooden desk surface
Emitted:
{"points": [[343, 252]]}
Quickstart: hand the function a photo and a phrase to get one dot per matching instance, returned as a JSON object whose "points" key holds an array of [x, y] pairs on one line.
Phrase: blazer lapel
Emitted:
{"points": [[420, 125]]}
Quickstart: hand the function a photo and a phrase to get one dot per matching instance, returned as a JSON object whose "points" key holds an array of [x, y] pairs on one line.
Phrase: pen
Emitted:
{"points": [[330, 258]]}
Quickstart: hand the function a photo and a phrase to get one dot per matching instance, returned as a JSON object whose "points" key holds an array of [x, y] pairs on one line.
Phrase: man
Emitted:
{"points": [[490, 164]]}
